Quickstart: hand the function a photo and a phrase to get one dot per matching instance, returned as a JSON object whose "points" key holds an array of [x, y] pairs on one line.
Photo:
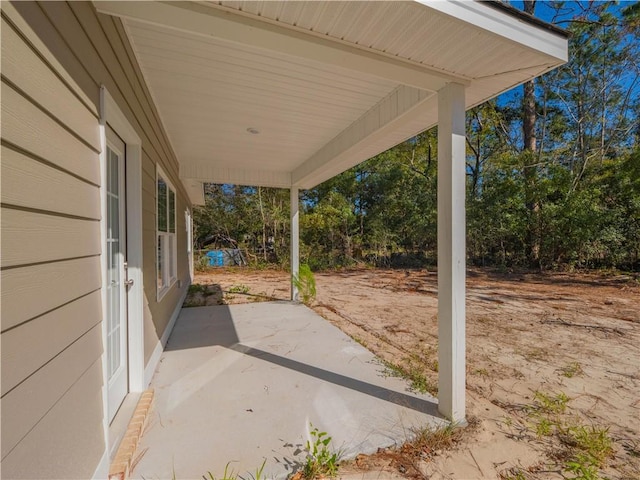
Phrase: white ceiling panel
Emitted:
{"points": [[327, 84]]}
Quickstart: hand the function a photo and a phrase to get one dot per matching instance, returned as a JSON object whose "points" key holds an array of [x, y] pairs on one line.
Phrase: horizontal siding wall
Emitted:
{"points": [[55, 57], [51, 330]]}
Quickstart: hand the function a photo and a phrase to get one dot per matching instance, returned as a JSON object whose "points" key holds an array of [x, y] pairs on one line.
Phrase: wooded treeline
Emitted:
{"points": [[553, 174]]}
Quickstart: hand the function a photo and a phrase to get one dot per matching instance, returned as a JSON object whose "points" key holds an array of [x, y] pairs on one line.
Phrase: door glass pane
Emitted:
{"points": [[114, 254]]}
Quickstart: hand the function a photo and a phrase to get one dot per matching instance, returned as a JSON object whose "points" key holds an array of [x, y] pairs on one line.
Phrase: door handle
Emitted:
{"points": [[128, 282]]}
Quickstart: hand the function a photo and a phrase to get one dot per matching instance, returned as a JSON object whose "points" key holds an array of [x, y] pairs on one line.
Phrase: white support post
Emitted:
{"points": [[451, 252], [295, 242]]}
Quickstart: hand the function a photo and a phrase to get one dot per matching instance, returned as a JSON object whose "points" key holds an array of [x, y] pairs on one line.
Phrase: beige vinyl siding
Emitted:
{"points": [[51, 310], [30, 291], [55, 58], [50, 449]]}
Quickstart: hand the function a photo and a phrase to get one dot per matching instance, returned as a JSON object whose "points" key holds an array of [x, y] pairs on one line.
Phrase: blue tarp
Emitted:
{"points": [[216, 258], [221, 258]]}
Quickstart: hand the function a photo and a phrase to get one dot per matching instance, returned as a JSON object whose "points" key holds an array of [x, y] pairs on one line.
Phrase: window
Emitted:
{"points": [[166, 233]]}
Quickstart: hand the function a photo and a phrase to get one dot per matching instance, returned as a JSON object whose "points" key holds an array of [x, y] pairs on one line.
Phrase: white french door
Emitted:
{"points": [[116, 288]]}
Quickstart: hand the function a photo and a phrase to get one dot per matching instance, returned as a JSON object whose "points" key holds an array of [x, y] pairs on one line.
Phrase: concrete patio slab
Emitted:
{"points": [[242, 384]]}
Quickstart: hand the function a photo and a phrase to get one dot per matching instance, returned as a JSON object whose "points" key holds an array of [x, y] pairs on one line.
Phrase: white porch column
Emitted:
{"points": [[451, 252], [295, 242]]}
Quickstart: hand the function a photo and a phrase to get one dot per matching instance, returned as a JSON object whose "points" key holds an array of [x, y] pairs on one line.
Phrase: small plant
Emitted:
{"points": [[571, 370], [536, 354], [589, 448], [514, 473], [196, 288], [240, 288], [548, 403], [582, 468], [435, 366], [321, 462], [305, 282], [419, 382], [544, 428], [231, 475], [594, 441], [428, 440], [227, 474], [259, 471], [585, 449]]}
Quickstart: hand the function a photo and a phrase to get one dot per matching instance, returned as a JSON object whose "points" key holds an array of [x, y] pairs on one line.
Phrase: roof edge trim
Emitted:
{"points": [[524, 16]]}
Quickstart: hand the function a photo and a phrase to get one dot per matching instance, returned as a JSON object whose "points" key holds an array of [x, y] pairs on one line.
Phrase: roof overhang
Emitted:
{"points": [[326, 85]]}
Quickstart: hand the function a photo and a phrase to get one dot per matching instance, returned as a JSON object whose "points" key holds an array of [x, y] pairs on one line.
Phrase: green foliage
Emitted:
{"points": [[239, 288], [584, 449], [549, 403], [574, 202], [582, 468], [305, 282], [592, 443], [321, 461], [414, 373], [227, 475], [196, 288], [231, 475], [514, 474], [571, 370]]}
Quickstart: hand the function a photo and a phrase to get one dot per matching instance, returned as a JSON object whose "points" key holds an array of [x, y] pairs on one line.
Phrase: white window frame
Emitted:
{"points": [[189, 227], [166, 277]]}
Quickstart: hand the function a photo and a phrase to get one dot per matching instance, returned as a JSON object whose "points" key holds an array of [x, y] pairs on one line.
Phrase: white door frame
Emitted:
{"points": [[111, 114], [118, 381]]}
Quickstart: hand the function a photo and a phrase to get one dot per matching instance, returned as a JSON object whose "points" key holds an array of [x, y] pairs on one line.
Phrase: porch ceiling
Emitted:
{"points": [[326, 84]]}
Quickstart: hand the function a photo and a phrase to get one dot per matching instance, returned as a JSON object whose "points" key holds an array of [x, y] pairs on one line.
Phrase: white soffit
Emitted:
{"points": [[326, 84]]}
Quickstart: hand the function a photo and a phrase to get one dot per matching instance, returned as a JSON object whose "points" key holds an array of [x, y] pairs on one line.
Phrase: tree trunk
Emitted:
{"points": [[530, 159], [264, 226]]}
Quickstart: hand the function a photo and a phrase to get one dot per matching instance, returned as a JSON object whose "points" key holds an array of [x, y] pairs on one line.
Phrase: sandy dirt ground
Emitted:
{"points": [[553, 362]]}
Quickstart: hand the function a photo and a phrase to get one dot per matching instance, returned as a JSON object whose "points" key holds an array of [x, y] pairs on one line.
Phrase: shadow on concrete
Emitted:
{"points": [[210, 326], [402, 399]]}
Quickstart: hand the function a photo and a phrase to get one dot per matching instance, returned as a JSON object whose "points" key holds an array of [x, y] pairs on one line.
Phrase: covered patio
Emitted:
{"points": [[242, 384], [290, 94]]}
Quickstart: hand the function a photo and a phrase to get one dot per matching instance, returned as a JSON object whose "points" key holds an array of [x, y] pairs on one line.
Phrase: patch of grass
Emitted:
{"points": [[580, 450], [196, 288], [544, 427], [514, 473], [582, 469], [571, 370], [423, 444], [261, 297], [231, 475], [536, 354], [435, 366], [429, 440], [360, 341], [239, 288], [227, 475], [593, 444], [549, 403], [321, 461], [418, 381]]}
